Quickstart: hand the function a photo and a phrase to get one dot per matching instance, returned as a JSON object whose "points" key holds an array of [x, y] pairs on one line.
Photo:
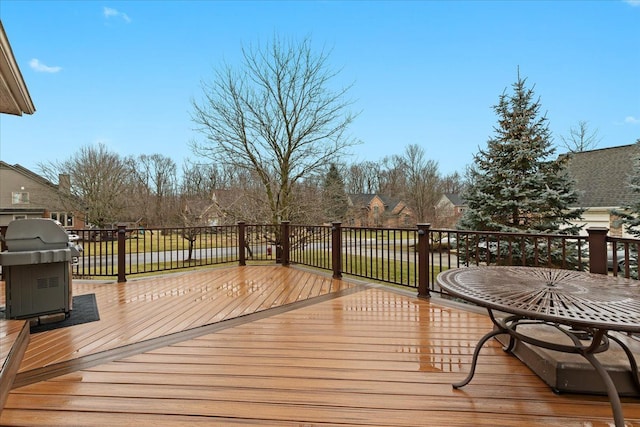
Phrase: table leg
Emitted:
{"points": [[598, 344], [632, 360], [614, 398], [476, 353]]}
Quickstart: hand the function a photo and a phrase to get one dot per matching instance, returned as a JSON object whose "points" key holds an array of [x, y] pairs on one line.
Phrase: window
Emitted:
{"points": [[19, 197], [65, 218]]}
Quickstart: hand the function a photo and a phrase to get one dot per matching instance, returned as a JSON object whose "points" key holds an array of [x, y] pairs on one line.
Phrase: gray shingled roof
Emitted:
{"points": [[602, 175], [32, 175], [363, 199], [455, 199], [390, 202]]}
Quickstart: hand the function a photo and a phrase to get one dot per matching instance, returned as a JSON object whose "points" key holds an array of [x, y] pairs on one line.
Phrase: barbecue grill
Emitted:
{"points": [[36, 268]]}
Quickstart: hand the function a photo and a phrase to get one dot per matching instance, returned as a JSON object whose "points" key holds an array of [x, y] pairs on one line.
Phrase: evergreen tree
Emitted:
{"points": [[630, 215], [513, 185], [334, 195]]}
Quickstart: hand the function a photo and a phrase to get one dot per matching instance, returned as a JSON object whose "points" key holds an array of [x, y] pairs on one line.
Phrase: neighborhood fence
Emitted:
{"points": [[407, 257]]}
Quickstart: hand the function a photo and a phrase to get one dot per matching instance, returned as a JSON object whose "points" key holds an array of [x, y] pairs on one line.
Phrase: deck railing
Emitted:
{"points": [[622, 256], [408, 257], [123, 251]]}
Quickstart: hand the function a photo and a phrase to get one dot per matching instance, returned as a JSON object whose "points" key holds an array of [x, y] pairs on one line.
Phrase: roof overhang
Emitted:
{"points": [[14, 96]]}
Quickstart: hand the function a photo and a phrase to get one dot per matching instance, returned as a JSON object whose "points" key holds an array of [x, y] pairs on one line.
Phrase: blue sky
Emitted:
{"points": [[426, 73]]}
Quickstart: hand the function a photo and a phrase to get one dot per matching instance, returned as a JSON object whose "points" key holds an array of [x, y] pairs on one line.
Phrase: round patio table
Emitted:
{"points": [[583, 306]]}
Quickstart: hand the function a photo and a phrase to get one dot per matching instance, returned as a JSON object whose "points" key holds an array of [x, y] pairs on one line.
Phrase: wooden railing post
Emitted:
{"points": [[284, 237], [423, 260], [598, 249], [242, 243], [122, 276], [336, 249]]}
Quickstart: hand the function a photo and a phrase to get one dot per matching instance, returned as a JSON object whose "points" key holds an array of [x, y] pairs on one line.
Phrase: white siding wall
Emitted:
{"points": [[599, 217]]}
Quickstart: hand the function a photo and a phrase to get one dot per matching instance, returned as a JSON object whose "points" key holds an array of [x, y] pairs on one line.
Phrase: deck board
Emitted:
{"points": [[14, 339], [145, 309], [367, 357]]}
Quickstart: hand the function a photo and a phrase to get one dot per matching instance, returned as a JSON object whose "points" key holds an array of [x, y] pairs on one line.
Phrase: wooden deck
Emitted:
{"points": [[276, 346]]}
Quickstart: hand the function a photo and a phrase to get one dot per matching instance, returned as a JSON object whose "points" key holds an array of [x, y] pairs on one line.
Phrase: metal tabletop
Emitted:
{"points": [[573, 298]]}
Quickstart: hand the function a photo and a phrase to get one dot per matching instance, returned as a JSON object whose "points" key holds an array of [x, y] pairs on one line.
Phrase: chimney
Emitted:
{"points": [[64, 183]]}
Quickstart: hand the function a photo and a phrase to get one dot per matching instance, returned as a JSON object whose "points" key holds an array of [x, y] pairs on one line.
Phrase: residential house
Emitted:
{"points": [[602, 179], [25, 194], [449, 209], [14, 96], [376, 210]]}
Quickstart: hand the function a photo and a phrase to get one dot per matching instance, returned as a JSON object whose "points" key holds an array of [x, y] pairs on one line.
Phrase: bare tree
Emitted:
{"points": [[310, 203], [276, 117], [363, 178], [581, 138], [393, 178], [99, 182], [198, 194], [200, 179], [452, 184], [155, 180], [422, 182], [216, 194], [197, 201]]}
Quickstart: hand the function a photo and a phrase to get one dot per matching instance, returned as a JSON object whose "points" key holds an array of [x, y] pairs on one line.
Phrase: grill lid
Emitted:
{"points": [[34, 235]]}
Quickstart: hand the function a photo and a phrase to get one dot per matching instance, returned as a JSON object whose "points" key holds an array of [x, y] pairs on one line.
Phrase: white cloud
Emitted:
{"points": [[114, 13], [634, 3], [631, 120], [39, 66]]}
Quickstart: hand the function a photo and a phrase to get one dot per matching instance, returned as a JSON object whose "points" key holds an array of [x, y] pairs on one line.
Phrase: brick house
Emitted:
{"points": [[449, 209], [375, 210]]}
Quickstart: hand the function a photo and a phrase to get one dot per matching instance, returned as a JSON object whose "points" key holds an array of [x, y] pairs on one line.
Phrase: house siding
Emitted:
{"points": [[449, 209], [43, 195], [601, 178]]}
